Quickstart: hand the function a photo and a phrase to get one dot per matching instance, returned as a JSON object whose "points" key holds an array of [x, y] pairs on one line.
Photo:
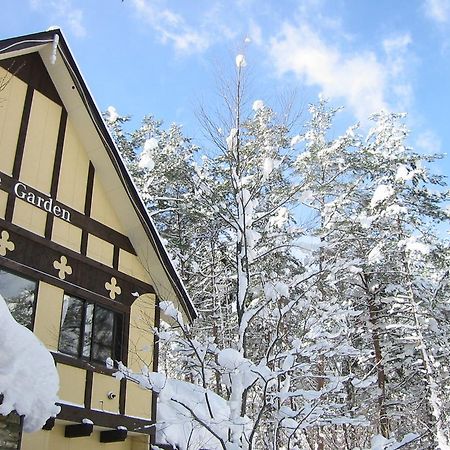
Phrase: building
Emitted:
{"points": [[81, 263]]}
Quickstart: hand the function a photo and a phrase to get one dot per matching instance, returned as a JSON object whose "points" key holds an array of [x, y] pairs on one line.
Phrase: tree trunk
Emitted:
{"points": [[381, 376]]}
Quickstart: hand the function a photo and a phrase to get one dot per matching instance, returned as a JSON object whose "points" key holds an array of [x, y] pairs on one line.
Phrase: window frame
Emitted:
{"points": [[35, 294], [118, 332]]}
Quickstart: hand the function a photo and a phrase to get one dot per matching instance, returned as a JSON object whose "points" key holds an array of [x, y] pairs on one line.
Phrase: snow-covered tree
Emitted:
{"points": [[319, 273], [379, 252]]}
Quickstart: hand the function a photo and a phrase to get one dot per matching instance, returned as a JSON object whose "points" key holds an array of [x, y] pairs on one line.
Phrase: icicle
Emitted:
{"points": [[54, 48]]}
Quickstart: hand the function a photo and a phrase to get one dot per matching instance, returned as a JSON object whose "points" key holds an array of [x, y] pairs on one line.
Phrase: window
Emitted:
{"points": [[90, 331], [19, 294]]}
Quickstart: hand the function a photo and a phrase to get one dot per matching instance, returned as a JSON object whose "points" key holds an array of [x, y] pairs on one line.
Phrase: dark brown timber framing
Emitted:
{"points": [[33, 40], [34, 255], [56, 168], [105, 419], [77, 219], [31, 70], [20, 149], [87, 205]]}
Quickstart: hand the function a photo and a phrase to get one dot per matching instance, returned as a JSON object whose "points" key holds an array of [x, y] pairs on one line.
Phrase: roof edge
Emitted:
{"points": [[23, 42]]}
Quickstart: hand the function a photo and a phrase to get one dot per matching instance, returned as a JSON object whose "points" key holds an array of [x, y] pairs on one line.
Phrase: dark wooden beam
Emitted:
{"points": [[105, 419], [78, 430], [48, 426], [113, 435]]}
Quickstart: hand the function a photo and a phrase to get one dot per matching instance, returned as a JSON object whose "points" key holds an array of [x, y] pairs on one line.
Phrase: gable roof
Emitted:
{"points": [[103, 152]]}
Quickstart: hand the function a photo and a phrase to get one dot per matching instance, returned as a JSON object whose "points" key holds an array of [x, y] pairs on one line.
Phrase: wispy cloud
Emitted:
{"points": [[63, 12], [358, 78], [397, 62], [364, 80], [195, 29], [438, 10], [428, 142], [172, 27]]}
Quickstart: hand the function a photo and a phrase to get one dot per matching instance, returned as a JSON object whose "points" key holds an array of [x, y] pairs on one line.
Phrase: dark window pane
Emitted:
{"points": [[118, 337], [19, 294], [71, 320], [103, 334], [90, 331]]}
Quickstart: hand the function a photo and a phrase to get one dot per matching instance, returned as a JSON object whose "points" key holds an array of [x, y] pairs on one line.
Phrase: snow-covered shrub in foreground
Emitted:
{"points": [[29, 381], [189, 416]]}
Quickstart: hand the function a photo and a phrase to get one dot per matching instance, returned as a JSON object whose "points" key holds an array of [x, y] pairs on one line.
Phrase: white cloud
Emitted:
{"points": [[196, 29], [62, 11], [255, 33], [438, 10], [397, 64], [358, 78], [171, 27], [396, 48], [428, 142]]}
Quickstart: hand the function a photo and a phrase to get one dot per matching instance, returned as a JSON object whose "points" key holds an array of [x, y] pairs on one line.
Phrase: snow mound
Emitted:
{"points": [[29, 381], [177, 402]]}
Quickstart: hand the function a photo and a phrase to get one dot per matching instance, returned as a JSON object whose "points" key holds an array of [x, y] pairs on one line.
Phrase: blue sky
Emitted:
{"points": [[162, 57]]}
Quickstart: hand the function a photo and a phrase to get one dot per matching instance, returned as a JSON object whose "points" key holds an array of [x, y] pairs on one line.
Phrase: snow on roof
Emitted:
{"points": [[29, 381]]}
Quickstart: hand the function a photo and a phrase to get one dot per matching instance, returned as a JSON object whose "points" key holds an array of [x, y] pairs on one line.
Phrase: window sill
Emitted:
{"points": [[74, 361]]}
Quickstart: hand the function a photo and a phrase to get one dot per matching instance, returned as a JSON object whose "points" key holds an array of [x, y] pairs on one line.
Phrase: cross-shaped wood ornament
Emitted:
{"points": [[5, 243], [62, 267], [113, 288]]}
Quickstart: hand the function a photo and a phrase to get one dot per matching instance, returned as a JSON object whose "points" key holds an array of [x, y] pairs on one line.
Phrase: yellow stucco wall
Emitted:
{"points": [[74, 171], [142, 320], [102, 385], [66, 234], [102, 209], [139, 401], [130, 264], [3, 200], [72, 383], [48, 314], [100, 250], [29, 217], [12, 98], [40, 143]]}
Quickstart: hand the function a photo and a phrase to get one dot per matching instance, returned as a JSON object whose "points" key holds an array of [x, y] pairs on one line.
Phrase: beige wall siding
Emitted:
{"points": [[102, 385], [72, 383], [102, 207], [29, 217], [139, 401], [48, 314], [37, 171], [130, 264], [100, 250], [142, 320], [3, 201], [40, 143], [12, 98], [55, 440], [66, 234], [74, 171]]}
